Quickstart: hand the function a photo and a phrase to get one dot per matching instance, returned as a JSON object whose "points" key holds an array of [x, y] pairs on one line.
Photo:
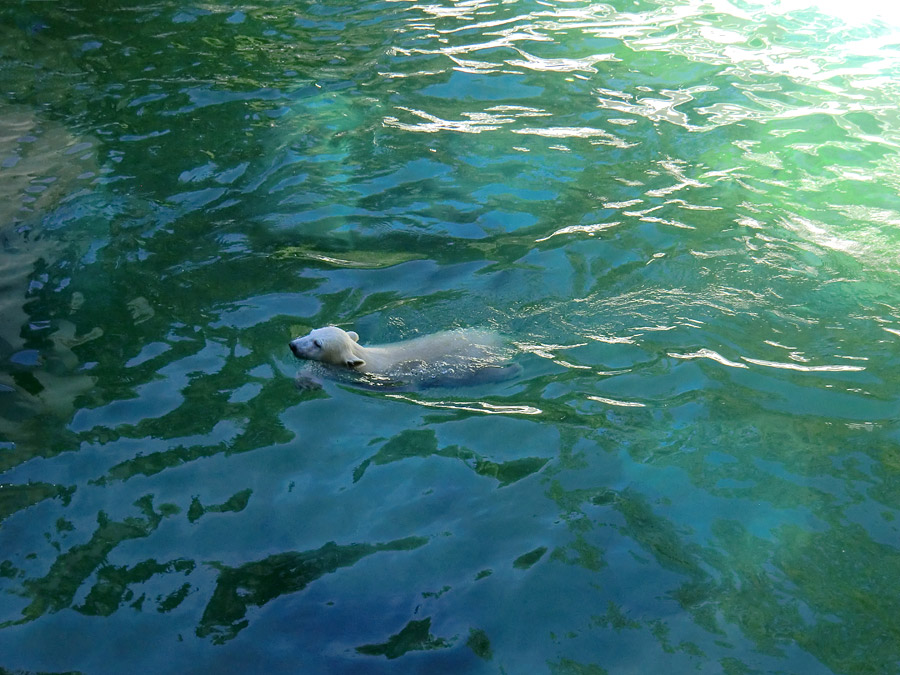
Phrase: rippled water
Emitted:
{"points": [[683, 214]]}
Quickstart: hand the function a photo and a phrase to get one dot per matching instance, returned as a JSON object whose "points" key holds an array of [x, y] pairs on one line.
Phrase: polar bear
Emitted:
{"points": [[453, 357]]}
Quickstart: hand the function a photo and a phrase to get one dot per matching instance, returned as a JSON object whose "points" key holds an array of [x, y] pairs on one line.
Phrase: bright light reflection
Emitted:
{"points": [[472, 406], [857, 12]]}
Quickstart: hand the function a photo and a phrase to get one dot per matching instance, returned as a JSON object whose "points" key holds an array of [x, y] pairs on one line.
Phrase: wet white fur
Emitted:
{"points": [[455, 350]]}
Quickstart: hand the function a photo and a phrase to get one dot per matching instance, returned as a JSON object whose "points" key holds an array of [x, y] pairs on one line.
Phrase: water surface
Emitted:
{"points": [[683, 214]]}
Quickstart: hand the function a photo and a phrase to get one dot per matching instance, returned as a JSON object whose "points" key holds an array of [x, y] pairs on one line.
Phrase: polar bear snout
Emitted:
{"points": [[299, 349]]}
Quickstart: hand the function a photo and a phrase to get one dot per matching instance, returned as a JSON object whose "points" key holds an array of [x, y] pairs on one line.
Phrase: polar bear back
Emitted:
{"points": [[470, 347]]}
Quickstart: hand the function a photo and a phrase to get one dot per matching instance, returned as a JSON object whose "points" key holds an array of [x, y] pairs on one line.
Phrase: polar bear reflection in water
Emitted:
{"points": [[467, 356]]}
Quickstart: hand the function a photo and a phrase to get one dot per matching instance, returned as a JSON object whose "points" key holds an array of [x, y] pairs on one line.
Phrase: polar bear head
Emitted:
{"points": [[330, 345]]}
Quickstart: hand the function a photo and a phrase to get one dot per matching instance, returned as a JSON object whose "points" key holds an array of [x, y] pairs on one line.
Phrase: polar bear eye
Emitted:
{"points": [[318, 343]]}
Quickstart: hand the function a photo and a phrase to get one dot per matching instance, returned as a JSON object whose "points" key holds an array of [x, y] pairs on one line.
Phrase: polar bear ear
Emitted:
{"points": [[353, 335], [354, 362]]}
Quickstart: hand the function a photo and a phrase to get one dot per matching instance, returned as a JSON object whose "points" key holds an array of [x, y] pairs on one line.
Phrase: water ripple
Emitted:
{"points": [[802, 368], [472, 406], [615, 402]]}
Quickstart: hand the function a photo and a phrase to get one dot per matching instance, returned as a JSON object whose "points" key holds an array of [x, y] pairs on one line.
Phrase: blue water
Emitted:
{"points": [[684, 216]]}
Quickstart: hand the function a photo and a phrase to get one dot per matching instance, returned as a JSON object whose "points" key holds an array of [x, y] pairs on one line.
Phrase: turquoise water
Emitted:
{"points": [[684, 215]]}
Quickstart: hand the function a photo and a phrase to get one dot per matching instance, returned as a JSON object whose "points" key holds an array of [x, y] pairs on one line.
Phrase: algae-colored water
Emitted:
{"points": [[685, 217]]}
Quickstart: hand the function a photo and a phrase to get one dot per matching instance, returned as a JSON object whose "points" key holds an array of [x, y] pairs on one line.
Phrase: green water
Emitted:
{"points": [[684, 215]]}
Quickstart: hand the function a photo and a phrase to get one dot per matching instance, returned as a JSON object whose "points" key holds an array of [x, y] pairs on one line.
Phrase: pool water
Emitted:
{"points": [[685, 216]]}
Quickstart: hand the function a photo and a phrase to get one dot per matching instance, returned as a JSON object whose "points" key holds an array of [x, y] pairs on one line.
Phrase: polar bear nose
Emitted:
{"points": [[294, 348]]}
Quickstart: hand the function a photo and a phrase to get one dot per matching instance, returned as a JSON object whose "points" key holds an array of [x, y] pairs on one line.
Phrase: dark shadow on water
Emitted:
{"points": [[415, 636], [424, 443], [56, 590], [235, 504], [15, 498], [256, 583]]}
